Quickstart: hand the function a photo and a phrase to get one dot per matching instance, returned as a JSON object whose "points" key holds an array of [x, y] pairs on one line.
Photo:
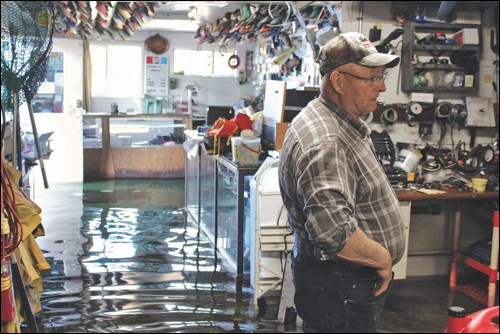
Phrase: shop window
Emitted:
{"points": [[203, 63], [50, 94], [116, 71]]}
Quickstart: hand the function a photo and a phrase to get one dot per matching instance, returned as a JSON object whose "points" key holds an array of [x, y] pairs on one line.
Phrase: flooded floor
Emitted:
{"points": [[126, 258]]}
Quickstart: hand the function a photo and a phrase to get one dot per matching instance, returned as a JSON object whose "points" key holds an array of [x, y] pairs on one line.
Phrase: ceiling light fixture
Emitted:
{"points": [[172, 23]]}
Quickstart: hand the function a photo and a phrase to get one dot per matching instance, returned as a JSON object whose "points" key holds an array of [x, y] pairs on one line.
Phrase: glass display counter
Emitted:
{"points": [[232, 179], [192, 185], [217, 199], [207, 194], [134, 145], [200, 189]]}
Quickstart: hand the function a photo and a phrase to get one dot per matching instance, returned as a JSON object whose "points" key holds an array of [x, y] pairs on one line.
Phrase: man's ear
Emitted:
{"points": [[336, 82]]}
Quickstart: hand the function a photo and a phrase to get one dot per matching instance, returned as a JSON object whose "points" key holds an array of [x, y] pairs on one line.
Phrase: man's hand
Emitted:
{"points": [[364, 251], [384, 279]]}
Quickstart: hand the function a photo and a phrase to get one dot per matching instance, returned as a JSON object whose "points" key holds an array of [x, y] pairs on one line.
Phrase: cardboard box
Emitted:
{"points": [[280, 134], [468, 36], [465, 17], [275, 134]]}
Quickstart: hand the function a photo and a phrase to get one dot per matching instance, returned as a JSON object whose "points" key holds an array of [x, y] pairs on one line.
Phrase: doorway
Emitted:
{"points": [[65, 163]]}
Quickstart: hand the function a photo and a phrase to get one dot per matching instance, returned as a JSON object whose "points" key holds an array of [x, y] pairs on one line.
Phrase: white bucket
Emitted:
{"points": [[407, 160], [245, 151]]}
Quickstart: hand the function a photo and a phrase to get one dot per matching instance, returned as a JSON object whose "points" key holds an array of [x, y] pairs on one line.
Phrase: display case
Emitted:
{"points": [[217, 198], [134, 145], [232, 184], [192, 184], [434, 59], [207, 193], [200, 189]]}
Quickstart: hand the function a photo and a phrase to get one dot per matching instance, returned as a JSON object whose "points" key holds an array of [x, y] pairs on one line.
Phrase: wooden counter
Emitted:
{"points": [[133, 162]]}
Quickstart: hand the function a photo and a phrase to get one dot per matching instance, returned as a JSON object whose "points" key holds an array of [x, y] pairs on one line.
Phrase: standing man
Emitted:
{"points": [[348, 226]]}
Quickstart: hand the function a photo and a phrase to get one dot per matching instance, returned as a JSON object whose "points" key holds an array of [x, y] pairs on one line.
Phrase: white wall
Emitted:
{"points": [[211, 91]]}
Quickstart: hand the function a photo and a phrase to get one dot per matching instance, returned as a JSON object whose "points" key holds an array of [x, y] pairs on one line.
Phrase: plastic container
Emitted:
{"points": [[408, 160], [30, 152], [151, 105], [479, 184], [245, 151]]}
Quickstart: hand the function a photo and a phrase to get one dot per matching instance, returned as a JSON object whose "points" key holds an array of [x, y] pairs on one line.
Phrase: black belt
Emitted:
{"points": [[337, 267]]}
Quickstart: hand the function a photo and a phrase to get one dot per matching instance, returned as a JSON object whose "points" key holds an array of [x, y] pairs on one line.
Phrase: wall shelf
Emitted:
{"points": [[418, 75]]}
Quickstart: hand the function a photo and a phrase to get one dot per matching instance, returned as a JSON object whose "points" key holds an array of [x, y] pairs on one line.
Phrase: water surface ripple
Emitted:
{"points": [[140, 265]]}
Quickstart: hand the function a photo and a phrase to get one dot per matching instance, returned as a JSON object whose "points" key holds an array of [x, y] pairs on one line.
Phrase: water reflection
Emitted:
{"points": [[144, 267]]}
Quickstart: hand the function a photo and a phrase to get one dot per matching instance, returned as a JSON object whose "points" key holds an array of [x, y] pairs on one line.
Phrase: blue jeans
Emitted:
{"points": [[333, 297]]}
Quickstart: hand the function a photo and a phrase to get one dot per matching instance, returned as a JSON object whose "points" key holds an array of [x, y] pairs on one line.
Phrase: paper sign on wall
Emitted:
{"points": [[156, 75]]}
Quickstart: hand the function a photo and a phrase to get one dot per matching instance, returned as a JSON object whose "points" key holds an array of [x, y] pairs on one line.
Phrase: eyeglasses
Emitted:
{"points": [[371, 80]]}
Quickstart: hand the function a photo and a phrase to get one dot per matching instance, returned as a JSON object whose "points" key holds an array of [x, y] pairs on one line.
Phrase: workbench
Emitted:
{"points": [[464, 203]]}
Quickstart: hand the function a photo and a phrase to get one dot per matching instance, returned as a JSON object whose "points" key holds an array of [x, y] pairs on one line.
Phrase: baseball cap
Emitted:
{"points": [[352, 47]]}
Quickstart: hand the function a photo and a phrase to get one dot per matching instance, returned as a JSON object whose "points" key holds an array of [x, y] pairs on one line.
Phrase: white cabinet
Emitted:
{"points": [[270, 238], [400, 268]]}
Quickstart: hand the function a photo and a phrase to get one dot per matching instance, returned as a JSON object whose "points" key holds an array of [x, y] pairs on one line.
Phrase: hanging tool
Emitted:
{"points": [[385, 46], [442, 113]]}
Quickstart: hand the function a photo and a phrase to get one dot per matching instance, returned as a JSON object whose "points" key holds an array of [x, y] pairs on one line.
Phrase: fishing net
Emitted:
{"points": [[27, 29]]}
